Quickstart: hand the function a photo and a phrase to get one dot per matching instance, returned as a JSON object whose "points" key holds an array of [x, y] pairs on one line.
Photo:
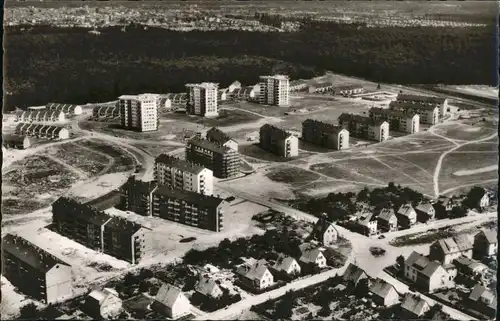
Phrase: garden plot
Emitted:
{"points": [[123, 161], [80, 157], [259, 184], [293, 176]]}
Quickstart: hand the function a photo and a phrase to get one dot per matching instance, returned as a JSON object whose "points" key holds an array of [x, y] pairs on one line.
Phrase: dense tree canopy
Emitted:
{"points": [[70, 65]]}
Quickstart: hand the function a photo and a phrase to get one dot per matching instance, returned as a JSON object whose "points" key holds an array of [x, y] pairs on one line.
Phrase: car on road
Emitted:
{"points": [[381, 237]]}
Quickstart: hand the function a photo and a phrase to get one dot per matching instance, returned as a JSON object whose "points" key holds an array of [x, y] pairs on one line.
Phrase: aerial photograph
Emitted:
{"points": [[250, 160]]}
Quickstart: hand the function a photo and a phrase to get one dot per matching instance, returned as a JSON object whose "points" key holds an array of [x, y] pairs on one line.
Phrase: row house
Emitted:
{"points": [[384, 293], [139, 112], [215, 135], [202, 99], [256, 275], [297, 85], [274, 90], [182, 174], [67, 109], [235, 85], [278, 141], [189, 208], [425, 212], [485, 244], [171, 100], [408, 122], [407, 216], [34, 271], [426, 274], [247, 93], [325, 232], [321, 88], [223, 161], [42, 131], [105, 112], [347, 90], [96, 230], [448, 249], [387, 220], [440, 102], [171, 302], [325, 134], [222, 94], [364, 127], [40, 116], [427, 114], [15, 141]]}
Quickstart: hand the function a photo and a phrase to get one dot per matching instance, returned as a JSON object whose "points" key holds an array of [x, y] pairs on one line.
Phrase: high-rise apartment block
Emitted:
{"points": [[274, 90], [181, 174], [223, 161], [139, 112], [202, 99]]}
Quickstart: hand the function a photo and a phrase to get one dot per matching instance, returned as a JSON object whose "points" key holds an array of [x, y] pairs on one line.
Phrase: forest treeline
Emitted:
{"points": [[71, 65]]}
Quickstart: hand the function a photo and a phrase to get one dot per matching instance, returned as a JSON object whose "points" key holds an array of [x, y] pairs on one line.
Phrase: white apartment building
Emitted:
{"points": [[183, 175], [274, 90], [139, 112], [202, 99]]}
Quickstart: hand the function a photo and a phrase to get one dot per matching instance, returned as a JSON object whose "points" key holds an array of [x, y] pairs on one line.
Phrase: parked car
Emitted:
{"points": [[382, 236]]}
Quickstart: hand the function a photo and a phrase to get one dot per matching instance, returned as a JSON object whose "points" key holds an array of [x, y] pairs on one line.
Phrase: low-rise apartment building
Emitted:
{"points": [[440, 102], [137, 196], [202, 99], [364, 127], [325, 134], [274, 90], [99, 231], [215, 135], [189, 208], [34, 271], [224, 162], [186, 175], [139, 112], [278, 141], [428, 275], [408, 122], [428, 114]]}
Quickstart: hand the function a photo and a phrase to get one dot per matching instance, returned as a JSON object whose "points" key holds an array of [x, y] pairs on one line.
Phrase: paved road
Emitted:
{"points": [[360, 255]]}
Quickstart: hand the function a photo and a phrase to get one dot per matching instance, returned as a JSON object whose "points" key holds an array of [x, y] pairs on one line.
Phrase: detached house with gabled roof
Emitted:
{"points": [[287, 265], [216, 135], [483, 300], [103, 304], [384, 293], [313, 257], [368, 224], [325, 232], [425, 212], [448, 249], [34, 271], [407, 217], [485, 243], [428, 275], [387, 220], [354, 274], [278, 141], [171, 302], [413, 307], [208, 287], [256, 275]]}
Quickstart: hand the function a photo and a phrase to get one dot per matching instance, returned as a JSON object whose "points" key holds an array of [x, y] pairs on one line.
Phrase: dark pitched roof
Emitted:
{"points": [[322, 126], [419, 98], [180, 164], [344, 117], [216, 135], [414, 304], [386, 214], [84, 211], [29, 253], [138, 185], [400, 105], [123, 225], [13, 139], [392, 112], [490, 235], [422, 264], [320, 227], [273, 131], [214, 147], [381, 288], [454, 244], [188, 196], [353, 273], [425, 207], [481, 293]]}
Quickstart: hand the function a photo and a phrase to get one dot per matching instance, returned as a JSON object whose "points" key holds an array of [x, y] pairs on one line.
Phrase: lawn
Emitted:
{"points": [[268, 111], [226, 118], [421, 140], [33, 183], [255, 151], [464, 131], [292, 175], [337, 171]]}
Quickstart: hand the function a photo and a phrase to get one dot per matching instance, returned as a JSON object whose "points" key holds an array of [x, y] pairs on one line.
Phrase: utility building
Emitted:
{"points": [[404, 121], [278, 141], [139, 112], [202, 99], [223, 161], [365, 127], [274, 90], [183, 174], [324, 134], [34, 271]]}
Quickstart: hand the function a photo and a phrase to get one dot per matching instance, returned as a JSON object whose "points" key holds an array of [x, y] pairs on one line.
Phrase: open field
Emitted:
{"points": [[123, 161], [293, 176], [155, 149], [33, 183], [464, 132], [226, 118]]}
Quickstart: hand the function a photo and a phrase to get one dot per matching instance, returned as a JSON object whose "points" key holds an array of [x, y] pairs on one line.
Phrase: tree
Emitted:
{"points": [[29, 312], [458, 211], [400, 260], [378, 86]]}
